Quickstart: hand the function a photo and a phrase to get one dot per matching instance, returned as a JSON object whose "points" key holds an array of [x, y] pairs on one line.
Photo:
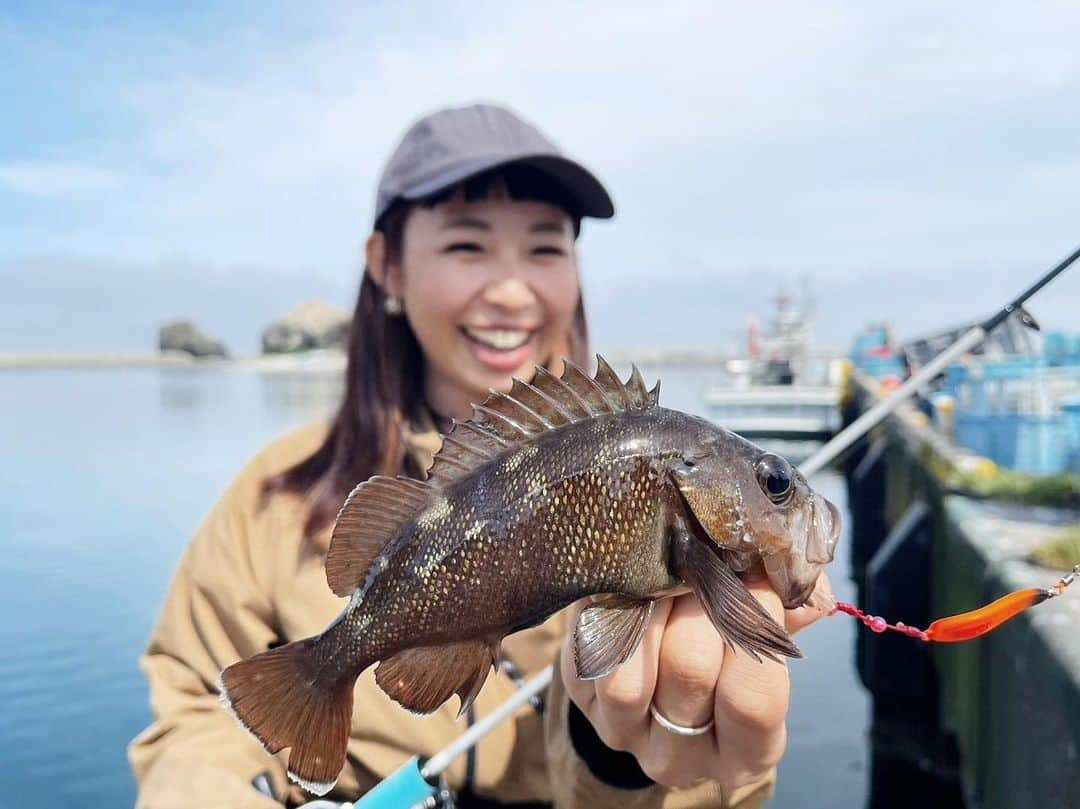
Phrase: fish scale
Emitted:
{"points": [[558, 534], [565, 487]]}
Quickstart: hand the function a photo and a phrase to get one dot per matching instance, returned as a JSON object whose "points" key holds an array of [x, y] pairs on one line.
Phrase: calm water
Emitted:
{"points": [[104, 474]]}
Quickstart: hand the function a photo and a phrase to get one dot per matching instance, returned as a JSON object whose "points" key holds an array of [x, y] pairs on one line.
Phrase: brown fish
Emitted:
{"points": [[563, 488]]}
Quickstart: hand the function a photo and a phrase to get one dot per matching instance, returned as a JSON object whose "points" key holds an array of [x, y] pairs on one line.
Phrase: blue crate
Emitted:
{"points": [[880, 367], [1036, 444], [1042, 446], [1070, 409], [972, 430]]}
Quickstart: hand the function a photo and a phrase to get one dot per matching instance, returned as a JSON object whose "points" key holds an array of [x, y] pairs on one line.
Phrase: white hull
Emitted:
{"points": [[781, 410]]}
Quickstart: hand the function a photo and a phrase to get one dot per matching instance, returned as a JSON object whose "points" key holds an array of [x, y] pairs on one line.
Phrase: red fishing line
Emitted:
{"points": [[878, 624], [966, 625]]}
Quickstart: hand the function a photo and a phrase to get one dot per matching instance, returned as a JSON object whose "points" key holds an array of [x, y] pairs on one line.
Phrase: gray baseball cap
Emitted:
{"points": [[451, 145]]}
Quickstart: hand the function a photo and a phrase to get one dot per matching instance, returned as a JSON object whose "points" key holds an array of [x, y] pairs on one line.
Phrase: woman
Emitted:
{"points": [[471, 279]]}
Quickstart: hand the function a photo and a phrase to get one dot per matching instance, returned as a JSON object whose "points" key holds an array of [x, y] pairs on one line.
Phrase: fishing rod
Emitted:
{"points": [[416, 781], [971, 338]]}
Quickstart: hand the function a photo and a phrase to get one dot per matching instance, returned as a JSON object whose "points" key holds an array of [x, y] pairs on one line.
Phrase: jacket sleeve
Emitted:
{"points": [[586, 773], [194, 755]]}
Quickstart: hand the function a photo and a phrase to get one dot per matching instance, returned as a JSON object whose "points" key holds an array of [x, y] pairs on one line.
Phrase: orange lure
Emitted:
{"points": [[968, 625]]}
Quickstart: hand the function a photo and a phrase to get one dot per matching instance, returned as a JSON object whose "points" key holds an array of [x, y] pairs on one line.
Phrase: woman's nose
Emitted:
{"points": [[509, 293]]}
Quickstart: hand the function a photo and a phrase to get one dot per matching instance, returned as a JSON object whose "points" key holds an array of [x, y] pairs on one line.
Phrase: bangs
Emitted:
{"points": [[522, 182]]}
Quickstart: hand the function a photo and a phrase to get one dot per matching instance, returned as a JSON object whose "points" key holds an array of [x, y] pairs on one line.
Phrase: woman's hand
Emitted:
{"points": [[684, 668]]}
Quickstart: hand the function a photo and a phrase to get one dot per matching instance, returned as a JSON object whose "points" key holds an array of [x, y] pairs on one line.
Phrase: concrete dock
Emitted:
{"points": [[993, 723]]}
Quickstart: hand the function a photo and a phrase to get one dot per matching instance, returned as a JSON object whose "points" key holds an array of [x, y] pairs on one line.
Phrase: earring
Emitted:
{"points": [[393, 305]]}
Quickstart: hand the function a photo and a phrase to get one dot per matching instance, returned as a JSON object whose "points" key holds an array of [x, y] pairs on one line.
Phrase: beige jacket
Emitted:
{"points": [[247, 579]]}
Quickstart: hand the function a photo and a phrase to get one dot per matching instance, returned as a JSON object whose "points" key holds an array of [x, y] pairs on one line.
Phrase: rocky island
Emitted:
{"points": [[186, 336], [310, 325]]}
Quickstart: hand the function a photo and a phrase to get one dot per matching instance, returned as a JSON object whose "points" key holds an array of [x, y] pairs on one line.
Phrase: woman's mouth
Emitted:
{"points": [[500, 350]]}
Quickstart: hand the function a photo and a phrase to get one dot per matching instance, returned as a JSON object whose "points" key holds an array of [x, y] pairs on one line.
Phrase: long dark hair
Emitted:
{"points": [[385, 370]]}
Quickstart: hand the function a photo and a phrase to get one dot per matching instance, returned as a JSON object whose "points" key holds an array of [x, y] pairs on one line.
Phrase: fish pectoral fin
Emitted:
{"points": [[733, 610], [423, 678], [608, 632], [373, 514]]}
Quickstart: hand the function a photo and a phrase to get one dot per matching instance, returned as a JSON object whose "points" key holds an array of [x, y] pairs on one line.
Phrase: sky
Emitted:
{"points": [[918, 162]]}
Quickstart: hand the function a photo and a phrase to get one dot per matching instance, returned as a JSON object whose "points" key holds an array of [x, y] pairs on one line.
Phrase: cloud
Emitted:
{"points": [[55, 179], [855, 142], [730, 135]]}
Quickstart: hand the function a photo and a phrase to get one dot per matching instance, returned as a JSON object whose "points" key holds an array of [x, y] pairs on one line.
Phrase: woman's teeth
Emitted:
{"points": [[501, 339]]}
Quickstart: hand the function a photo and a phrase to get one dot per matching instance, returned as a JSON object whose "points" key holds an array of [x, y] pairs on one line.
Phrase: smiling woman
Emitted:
{"points": [[491, 285], [471, 279]]}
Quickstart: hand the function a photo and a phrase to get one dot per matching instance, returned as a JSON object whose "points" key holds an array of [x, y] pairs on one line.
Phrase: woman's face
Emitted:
{"points": [[490, 288]]}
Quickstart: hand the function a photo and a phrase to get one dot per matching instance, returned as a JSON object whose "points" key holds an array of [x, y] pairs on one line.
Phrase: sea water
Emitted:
{"points": [[105, 474]]}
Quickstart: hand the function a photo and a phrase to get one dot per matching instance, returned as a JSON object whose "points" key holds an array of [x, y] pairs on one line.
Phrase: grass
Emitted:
{"points": [[988, 481], [1004, 484], [1061, 552]]}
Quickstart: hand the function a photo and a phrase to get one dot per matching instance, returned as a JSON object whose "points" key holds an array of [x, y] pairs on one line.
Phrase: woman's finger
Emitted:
{"points": [[623, 697], [750, 693], [691, 657], [802, 617]]}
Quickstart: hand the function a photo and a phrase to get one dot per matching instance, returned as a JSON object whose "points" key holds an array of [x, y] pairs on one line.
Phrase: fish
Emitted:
{"points": [[564, 487]]}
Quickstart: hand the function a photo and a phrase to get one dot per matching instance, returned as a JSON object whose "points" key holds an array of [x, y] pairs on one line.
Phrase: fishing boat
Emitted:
{"points": [[781, 389]]}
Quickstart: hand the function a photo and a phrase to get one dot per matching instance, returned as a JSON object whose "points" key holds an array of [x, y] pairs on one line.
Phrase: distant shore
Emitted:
{"points": [[318, 360], [308, 360]]}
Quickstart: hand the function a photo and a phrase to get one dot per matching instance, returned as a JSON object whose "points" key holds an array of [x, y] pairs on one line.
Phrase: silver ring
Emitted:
{"points": [[678, 730]]}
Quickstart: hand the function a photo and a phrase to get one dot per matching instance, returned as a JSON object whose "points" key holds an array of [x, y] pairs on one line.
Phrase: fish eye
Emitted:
{"points": [[775, 477]]}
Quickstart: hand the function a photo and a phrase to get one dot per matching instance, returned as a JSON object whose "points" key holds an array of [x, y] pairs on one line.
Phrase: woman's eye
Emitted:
{"points": [[548, 250], [463, 247]]}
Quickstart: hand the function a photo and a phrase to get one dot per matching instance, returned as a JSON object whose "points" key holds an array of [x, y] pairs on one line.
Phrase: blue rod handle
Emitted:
{"points": [[403, 788]]}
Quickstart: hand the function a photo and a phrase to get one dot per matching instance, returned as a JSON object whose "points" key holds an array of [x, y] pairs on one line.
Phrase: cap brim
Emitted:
{"points": [[590, 195]]}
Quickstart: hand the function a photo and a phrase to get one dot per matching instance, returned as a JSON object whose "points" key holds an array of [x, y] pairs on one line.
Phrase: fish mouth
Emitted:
{"points": [[803, 595], [788, 579], [823, 531]]}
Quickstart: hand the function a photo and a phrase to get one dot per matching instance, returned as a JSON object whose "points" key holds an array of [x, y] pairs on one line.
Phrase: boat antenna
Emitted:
{"points": [[416, 778]]}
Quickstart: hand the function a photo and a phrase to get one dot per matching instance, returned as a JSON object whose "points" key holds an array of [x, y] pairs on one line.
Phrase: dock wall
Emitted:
{"points": [[995, 720]]}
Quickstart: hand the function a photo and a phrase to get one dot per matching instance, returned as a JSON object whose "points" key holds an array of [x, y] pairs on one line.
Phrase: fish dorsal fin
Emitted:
{"points": [[550, 401], [547, 408], [506, 420], [586, 389], [654, 394], [468, 446], [614, 390], [636, 385], [554, 387], [510, 417], [373, 514]]}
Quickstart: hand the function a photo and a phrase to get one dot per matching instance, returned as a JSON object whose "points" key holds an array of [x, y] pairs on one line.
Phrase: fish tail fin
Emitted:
{"points": [[279, 697]]}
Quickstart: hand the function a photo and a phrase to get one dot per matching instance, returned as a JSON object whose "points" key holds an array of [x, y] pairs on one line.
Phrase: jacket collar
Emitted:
{"points": [[422, 437]]}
